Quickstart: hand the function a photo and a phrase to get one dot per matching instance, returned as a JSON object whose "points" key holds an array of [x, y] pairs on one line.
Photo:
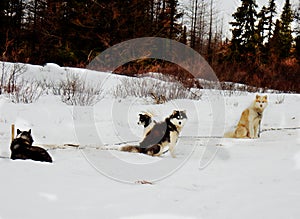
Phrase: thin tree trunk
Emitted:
{"points": [[209, 48]]}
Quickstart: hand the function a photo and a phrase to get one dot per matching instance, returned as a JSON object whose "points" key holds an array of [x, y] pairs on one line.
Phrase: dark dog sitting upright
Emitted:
{"points": [[21, 148]]}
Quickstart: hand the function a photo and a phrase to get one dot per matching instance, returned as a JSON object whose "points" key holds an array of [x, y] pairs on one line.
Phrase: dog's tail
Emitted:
{"points": [[131, 148], [229, 135]]}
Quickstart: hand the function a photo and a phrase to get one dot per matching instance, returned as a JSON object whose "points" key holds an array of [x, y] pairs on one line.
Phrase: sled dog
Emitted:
{"points": [[146, 120], [249, 124], [162, 134], [21, 148]]}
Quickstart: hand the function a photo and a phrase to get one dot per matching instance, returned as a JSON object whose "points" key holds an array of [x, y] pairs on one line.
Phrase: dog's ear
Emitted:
{"points": [[174, 112], [29, 131], [266, 97], [257, 96], [18, 131]]}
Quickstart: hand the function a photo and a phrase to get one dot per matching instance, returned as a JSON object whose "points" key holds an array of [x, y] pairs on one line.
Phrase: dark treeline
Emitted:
{"points": [[262, 52], [71, 32]]}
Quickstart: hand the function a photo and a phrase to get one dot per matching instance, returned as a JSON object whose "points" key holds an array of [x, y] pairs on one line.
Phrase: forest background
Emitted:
{"points": [[263, 49]]}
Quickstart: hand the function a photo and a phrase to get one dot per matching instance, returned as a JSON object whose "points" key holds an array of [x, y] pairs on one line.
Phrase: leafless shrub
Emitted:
{"points": [[146, 87], [15, 87], [26, 92], [158, 76], [74, 90], [9, 76], [280, 99], [234, 89], [47, 86], [158, 99]]}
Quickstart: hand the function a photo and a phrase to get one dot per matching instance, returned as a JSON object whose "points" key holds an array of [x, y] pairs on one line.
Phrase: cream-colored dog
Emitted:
{"points": [[248, 126]]}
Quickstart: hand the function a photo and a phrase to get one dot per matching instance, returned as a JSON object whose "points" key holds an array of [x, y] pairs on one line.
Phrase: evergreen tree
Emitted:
{"points": [[261, 35], [285, 32], [244, 40], [4, 20], [35, 13], [270, 27], [270, 14], [265, 28], [274, 43], [168, 17], [261, 26], [14, 16], [183, 38], [297, 31], [297, 19]]}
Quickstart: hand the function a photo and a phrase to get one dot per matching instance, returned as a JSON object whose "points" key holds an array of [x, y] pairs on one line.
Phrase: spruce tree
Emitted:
{"points": [[297, 19], [4, 21], [274, 43], [270, 27], [261, 35], [261, 26], [297, 31], [285, 33], [244, 40], [168, 17], [270, 14]]}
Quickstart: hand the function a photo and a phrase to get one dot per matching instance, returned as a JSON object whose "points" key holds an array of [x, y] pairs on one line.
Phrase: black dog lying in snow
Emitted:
{"points": [[21, 148]]}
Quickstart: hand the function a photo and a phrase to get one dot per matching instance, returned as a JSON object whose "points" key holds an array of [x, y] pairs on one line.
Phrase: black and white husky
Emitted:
{"points": [[147, 121], [21, 148], [163, 134]]}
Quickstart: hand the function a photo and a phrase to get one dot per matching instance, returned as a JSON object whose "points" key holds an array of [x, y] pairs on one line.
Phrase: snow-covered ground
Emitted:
{"points": [[211, 177]]}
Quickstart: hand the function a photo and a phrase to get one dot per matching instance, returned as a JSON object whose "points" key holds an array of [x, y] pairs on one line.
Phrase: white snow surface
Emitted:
{"points": [[211, 177]]}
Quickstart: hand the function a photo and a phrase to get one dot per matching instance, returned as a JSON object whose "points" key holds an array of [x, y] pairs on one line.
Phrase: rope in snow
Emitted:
{"points": [[278, 129], [198, 137], [263, 130], [107, 146]]}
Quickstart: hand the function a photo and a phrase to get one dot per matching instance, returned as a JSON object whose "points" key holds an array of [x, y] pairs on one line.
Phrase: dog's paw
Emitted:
{"points": [[173, 155]]}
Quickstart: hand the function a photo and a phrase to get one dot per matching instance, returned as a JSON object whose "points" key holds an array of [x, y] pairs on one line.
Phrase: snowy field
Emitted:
{"points": [[211, 177]]}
